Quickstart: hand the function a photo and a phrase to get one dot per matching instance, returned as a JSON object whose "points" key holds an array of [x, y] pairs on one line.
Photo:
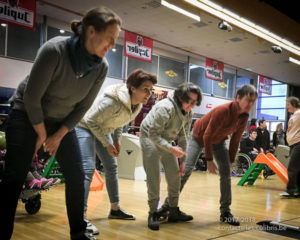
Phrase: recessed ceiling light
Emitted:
{"points": [[293, 60], [180, 10], [242, 23]]}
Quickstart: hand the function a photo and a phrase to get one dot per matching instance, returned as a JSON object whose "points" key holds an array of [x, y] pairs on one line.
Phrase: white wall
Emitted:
{"points": [[12, 72], [208, 103], [109, 81]]}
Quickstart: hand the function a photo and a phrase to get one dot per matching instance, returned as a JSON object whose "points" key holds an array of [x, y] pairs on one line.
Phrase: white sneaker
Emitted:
{"points": [[287, 195], [91, 228]]}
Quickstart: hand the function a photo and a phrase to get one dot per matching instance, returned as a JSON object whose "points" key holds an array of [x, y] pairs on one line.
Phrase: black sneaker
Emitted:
{"points": [[227, 217], [175, 215], [163, 211], [120, 214], [85, 236], [91, 228], [153, 221]]}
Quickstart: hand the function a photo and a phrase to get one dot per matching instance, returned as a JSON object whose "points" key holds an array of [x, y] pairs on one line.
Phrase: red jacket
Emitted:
{"points": [[220, 122]]}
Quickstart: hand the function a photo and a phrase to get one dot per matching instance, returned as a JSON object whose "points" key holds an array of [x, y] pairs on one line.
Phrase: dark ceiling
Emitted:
{"points": [[287, 7]]}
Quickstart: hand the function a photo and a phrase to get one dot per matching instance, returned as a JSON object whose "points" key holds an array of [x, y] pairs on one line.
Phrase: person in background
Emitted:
{"points": [[252, 125], [293, 139], [279, 136], [65, 78], [100, 131], [210, 132], [263, 137], [168, 120], [248, 145]]}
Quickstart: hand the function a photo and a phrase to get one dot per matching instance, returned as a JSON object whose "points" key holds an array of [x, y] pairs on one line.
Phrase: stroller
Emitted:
{"points": [[31, 197]]}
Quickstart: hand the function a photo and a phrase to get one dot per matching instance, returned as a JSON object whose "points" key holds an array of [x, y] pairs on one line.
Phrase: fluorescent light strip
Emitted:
{"points": [[245, 24], [293, 60], [180, 10]]}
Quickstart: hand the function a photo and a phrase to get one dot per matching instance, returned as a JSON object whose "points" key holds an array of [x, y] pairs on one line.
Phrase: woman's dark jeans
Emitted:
{"points": [[20, 144]]}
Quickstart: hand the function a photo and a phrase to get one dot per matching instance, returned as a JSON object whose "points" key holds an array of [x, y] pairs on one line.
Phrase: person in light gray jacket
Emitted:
{"points": [[100, 131], [169, 120]]}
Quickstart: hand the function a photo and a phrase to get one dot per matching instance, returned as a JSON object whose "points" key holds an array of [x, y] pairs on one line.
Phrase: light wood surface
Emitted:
{"points": [[199, 198]]}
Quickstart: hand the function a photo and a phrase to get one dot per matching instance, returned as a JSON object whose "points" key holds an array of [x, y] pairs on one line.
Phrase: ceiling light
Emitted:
{"points": [[224, 26], [114, 49], [3, 24], [244, 24], [180, 10], [293, 60], [62, 31]]}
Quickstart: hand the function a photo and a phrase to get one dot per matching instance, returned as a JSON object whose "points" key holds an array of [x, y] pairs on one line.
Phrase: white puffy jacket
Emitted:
{"points": [[109, 113]]}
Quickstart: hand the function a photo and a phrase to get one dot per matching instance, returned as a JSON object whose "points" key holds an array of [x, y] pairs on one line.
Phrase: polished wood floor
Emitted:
{"points": [[199, 198]]}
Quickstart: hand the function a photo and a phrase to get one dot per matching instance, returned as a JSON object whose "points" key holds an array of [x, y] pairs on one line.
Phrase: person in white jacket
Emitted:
{"points": [[169, 120], [100, 131], [293, 139]]}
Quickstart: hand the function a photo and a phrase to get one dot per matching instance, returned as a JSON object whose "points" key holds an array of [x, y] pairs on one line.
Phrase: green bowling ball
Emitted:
{"points": [[2, 140]]}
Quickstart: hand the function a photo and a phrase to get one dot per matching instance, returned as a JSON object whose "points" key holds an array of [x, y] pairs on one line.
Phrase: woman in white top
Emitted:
{"points": [[293, 139], [100, 132]]}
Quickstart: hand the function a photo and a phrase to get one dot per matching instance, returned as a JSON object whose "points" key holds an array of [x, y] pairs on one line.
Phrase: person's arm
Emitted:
{"points": [[102, 111], [285, 141], [53, 141], [157, 126], [234, 141], [244, 148], [268, 141], [257, 140], [183, 136], [117, 134], [214, 126], [38, 81], [80, 109], [275, 140]]}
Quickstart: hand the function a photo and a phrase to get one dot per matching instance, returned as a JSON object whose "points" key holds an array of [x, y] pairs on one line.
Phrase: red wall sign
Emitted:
{"points": [[265, 85], [214, 70], [18, 12], [138, 47]]}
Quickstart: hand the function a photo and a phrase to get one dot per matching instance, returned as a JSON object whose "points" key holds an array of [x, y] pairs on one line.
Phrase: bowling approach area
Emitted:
{"points": [[200, 198]]}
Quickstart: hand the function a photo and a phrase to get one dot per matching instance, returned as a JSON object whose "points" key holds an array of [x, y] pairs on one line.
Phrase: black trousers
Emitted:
{"points": [[20, 144], [294, 168]]}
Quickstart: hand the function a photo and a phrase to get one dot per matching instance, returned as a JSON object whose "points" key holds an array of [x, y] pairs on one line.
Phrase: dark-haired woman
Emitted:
{"points": [[168, 120], [100, 131], [63, 83]]}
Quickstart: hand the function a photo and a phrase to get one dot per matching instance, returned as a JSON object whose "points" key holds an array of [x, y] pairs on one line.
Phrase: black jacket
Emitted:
{"points": [[247, 145], [275, 140], [263, 139]]}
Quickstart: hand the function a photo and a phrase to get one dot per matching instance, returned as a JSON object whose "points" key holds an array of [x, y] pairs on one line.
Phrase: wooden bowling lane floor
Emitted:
{"points": [[200, 198]]}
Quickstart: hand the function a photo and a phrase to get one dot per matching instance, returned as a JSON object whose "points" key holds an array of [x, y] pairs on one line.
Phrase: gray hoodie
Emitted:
{"points": [[109, 113], [166, 123]]}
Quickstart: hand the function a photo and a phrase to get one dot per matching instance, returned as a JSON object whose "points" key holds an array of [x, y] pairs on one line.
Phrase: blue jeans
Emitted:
{"points": [[221, 154], [20, 144], [89, 147]]}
